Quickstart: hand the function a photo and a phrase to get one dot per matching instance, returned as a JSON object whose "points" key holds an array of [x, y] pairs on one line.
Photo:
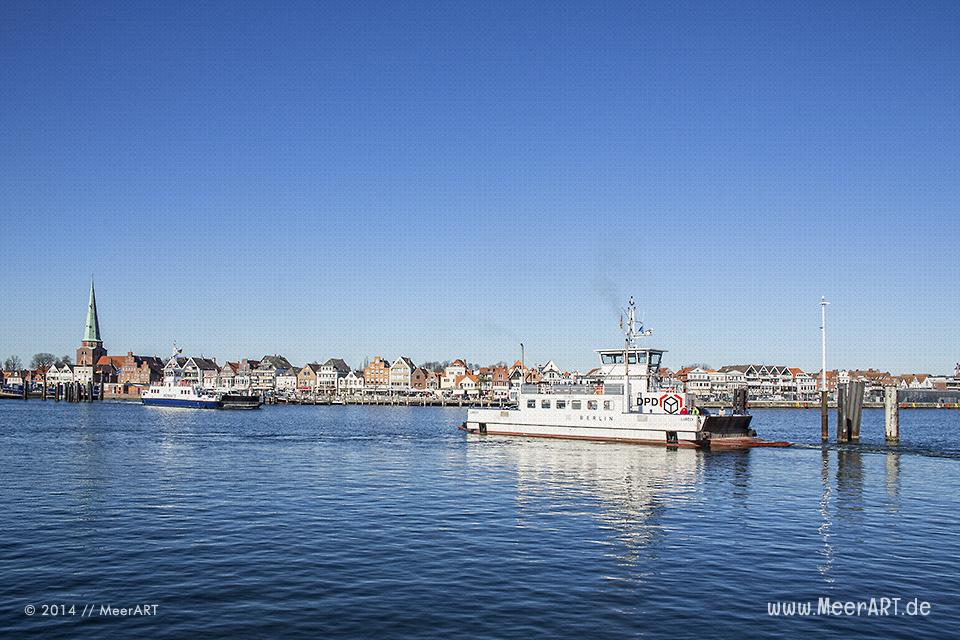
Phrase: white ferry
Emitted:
{"points": [[629, 405], [176, 392], [170, 394]]}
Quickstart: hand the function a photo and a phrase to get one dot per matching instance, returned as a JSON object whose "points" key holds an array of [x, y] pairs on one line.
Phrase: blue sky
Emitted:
{"points": [[446, 179]]}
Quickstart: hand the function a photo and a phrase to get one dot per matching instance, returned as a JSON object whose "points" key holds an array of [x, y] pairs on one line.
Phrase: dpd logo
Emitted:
{"points": [[671, 402]]}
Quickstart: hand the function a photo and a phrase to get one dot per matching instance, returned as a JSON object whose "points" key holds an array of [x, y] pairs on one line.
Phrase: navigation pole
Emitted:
{"points": [[824, 420]]}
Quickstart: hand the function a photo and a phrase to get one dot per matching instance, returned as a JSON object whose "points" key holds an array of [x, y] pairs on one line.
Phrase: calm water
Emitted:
{"points": [[388, 522]]}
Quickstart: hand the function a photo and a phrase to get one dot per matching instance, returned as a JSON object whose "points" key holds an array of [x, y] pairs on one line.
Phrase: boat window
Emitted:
{"points": [[655, 360], [561, 404], [575, 404], [607, 405], [544, 404], [617, 358], [531, 404], [592, 405]]}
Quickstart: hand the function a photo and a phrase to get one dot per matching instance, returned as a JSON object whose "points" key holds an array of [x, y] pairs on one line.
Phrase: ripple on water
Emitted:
{"points": [[388, 522]]}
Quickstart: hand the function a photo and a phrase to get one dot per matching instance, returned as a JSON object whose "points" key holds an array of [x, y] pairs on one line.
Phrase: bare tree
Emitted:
{"points": [[62, 360], [13, 363], [42, 361]]}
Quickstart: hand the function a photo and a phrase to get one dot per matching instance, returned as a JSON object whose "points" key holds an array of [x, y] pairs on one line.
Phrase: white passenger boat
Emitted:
{"points": [[180, 395], [177, 392], [630, 404]]}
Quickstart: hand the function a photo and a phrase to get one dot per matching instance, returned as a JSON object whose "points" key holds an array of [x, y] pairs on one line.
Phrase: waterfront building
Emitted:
{"points": [[376, 375], [330, 373], [550, 373], [245, 374], [287, 379], [915, 381], [452, 373], [264, 376], [500, 383], [173, 369], [64, 374], [593, 376], [352, 382], [805, 385], [699, 382], [953, 384], [202, 371], [227, 375], [484, 380], [517, 376], [400, 373], [107, 370], [140, 371], [467, 385], [533, 376], [91, 347], [418, 379], [734, 377], [307, 377]]}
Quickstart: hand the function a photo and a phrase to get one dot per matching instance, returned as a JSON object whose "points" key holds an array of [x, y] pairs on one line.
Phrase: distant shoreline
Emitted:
{"points": [[416, 402]]}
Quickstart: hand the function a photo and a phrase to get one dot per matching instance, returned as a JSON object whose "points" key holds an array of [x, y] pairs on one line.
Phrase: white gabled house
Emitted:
{"points": [[352, 383], [551, 373], [401, 372], [331, 373], [457, 368]]}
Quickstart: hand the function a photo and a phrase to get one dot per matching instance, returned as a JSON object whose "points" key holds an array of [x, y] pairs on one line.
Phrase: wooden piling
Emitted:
{"points": [[891, 414], [855, 413], [824, 419], [841, 413]]}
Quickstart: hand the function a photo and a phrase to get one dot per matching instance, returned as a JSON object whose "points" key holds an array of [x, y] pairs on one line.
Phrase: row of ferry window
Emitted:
{"points": [[576, 405]]}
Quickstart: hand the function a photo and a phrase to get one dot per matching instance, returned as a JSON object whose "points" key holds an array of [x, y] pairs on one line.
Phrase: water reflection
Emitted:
{"points": [[826, 551], [92, 463], [741, 473], [849, 481], [631, 485], [892, 479]]}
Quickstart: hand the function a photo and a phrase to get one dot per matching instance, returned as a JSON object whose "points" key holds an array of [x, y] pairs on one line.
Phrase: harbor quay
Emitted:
{"points": [[96, 374]]}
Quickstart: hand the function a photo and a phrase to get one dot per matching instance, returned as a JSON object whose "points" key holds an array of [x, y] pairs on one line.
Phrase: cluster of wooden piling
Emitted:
{"points": [[850, 411], [69, 392]]}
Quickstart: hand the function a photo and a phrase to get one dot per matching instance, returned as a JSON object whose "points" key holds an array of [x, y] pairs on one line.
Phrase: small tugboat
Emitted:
{"points": [[630, 404], [238, 400]]}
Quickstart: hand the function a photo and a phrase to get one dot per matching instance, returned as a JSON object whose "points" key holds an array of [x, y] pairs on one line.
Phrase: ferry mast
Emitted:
{"points": [[630, 333]]}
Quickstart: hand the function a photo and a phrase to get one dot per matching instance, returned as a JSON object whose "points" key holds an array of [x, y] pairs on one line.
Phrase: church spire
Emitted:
{"points": [[92, 331]]}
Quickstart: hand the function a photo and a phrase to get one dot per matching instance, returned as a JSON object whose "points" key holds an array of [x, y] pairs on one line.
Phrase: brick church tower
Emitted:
{"points": [[91, 348]]}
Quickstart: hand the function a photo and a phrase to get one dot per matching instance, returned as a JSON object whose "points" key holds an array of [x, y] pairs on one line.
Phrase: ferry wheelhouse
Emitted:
{"points": [[629, 403]]}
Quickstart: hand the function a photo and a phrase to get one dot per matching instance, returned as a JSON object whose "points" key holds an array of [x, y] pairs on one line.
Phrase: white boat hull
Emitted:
{"points": [[679, 430]]}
